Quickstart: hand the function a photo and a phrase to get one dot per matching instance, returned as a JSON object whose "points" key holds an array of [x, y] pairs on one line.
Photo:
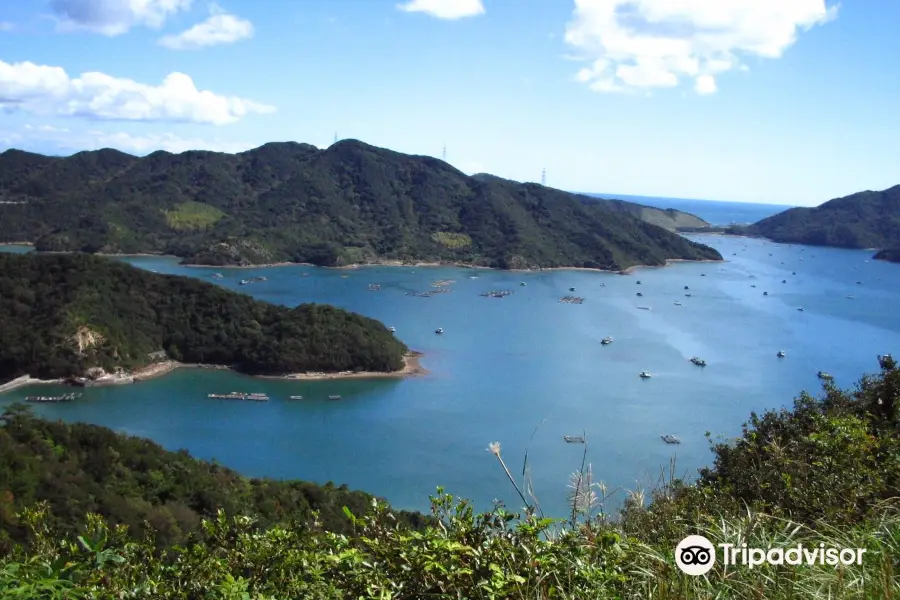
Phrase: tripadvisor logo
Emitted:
{"points": [[696, 555]]}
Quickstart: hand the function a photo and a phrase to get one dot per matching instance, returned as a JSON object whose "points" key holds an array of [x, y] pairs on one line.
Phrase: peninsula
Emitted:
{"points": [[863, 220], [348, 204], [75, 316]]}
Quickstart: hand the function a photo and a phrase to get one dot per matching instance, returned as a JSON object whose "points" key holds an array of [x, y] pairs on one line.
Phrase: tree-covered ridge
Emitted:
{"points": [[863, 220], [62, 314], [823, 474], [78, 468], [889, 254], [349, 203]]}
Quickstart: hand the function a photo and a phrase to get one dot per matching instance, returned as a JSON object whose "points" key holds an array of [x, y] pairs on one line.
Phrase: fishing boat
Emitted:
{"points": [[800, 309], [607, 340], [781, 354], [644, 307], [245, 281], [670, 439], [573, 439], [645, 375], [638, 282], [296, 397], [571, 289], [677, 303], [640, 294], [765, 293], [698, 361], [687, 295], [522, 283], [217, 276], [439, 330], [686, 287]]}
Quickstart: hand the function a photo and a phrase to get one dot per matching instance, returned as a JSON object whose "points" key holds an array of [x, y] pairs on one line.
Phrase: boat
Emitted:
{"points": [[645, 375], [217, 276], [851, 297], [640, 294], [607, 340], [698, 361], [62, 398], [677, 303], [753, 285], [702, 274], [670, 439], [687, 295], [244, 281], [765, 293], [800, 309], [335, 397], [784, 281], [573, 439], [824, 375], [439, 330], [392, 329], [644, 307], [638, 282], [296, 397], [522, 283], [859, 282], [686, 287], [781, 354], [572, 289]]}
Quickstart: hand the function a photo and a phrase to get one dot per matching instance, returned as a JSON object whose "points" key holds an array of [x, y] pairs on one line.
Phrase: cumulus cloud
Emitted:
{"points": [[641, 44], [64, 139], [49, 91], [114, 17], [445, 9], [219, 28]]}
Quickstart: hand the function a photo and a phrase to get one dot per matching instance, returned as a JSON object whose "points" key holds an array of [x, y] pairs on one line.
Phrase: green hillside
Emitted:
{"points": [[346, 204], [62, 314]]}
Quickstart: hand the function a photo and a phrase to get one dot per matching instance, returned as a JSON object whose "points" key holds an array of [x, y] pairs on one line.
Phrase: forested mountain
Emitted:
{"points": [[350, 203], [863, 220], [61, 314]]}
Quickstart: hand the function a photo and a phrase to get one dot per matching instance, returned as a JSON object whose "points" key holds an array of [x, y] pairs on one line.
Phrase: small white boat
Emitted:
{"points": [[392, 329], [606, 341], [522, 283], [645, 375], [781, 354], [698, 361], [573, 439], [670, 439], [296, 397], [439, 330], [244, 281]]}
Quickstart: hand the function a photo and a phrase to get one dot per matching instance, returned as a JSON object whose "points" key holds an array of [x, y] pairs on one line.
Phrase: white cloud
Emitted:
{"points": [[6, 26], [445, 9], [705, 84], [639, 44], [62, 139], [49, 91], [114, 17], [219, 28]]}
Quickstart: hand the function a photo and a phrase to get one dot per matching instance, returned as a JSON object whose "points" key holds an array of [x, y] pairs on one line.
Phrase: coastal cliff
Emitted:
{"points": [[96, 320], [351, 203]]}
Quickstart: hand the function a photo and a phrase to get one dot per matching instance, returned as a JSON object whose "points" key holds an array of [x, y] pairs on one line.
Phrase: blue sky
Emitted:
{"points": [[779, 101]]}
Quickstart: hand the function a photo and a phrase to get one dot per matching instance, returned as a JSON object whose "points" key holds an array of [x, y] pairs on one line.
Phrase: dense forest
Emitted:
{"points": [[63, 313], [350, 203], [822, 473], [78, 468], [863, 220], [889, 254]]}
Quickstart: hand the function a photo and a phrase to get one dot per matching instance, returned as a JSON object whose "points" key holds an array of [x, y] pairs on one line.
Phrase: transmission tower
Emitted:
{"points": [[544, 177], [444, 155], [335, 137]]}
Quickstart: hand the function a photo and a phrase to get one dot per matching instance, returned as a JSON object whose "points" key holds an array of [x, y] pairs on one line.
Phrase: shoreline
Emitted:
{"points": [[382, 263], [412, 367]]}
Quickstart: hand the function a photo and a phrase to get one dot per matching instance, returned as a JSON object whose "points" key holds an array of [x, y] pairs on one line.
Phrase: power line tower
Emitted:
{"points": [[335, 137], [444, 155], [544, 177]]}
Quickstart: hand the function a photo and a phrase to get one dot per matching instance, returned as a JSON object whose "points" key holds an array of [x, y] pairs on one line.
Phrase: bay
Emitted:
{"points": [[505, 366]]}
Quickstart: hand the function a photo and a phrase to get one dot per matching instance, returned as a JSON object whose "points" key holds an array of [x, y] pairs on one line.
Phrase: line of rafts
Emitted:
{"points": [[577, 439], [61, 398], [256, 396], [253, 280]]}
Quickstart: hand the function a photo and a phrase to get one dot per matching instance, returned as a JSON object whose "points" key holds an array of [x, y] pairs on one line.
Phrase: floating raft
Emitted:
{"points": [[252, 396], [571, 300], [63, 398], [374, 287], [496, 294]]}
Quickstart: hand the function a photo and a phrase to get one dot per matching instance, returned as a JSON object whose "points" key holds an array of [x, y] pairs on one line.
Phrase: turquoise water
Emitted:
{"points": [[505, 365]]}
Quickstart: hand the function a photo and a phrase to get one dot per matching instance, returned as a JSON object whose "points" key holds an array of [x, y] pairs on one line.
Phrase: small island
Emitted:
{"points": [[90, 320], [889, 254]]}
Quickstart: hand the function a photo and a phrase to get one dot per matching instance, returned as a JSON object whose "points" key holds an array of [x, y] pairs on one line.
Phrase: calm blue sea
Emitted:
{"points": [[505, 366]]}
